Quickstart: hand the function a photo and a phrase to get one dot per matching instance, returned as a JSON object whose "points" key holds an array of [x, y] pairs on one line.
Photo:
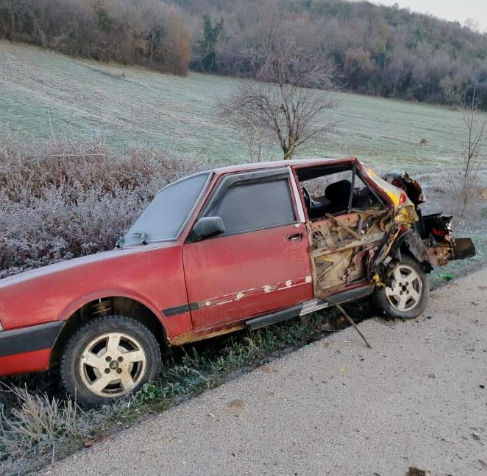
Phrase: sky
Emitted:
{"points": [[453, 10]]}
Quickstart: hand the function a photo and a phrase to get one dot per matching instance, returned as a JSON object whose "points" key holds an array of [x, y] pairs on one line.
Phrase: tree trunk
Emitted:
{"points": [[289, 153]]}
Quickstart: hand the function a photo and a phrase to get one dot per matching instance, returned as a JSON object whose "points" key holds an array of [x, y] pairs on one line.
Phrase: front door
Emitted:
{"points": [[260, 263]]}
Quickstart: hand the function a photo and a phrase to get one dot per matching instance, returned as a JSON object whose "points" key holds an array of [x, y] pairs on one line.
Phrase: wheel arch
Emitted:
{"points": [[412, 244], [103, 306]]}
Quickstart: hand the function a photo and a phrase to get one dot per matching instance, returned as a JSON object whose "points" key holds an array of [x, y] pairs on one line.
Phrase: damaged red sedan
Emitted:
{"points": [[234, 248]]}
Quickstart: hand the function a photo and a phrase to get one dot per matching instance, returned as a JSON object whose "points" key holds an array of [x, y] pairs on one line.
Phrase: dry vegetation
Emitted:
{"points": [[37, 425], [290, 101], [61, 199], [148, 32]]}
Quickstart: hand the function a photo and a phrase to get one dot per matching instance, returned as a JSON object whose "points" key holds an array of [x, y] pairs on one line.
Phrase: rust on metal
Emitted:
{"points": [[338, 259], [252, 292], [194, 336]]}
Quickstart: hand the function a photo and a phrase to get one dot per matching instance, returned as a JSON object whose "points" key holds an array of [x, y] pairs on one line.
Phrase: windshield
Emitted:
{"points": [[164, 217]]}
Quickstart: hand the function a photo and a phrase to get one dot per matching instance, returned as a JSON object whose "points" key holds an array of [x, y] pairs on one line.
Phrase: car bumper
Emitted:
{"points": [[27, 349]]}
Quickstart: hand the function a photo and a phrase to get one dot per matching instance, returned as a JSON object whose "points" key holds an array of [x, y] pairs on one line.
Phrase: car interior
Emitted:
{"points": [[335, 191]]}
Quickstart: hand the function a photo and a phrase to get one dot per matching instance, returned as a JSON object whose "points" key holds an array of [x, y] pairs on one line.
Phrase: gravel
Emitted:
{"points": [[417, 399]]}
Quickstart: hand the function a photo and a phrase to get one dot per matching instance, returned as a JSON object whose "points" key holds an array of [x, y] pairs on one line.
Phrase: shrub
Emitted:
{"points": [[62, 200], [149, 32]]}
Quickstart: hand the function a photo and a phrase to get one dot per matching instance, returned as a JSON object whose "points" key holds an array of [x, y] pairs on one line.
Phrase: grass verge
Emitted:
{"points": [[39, 426]]}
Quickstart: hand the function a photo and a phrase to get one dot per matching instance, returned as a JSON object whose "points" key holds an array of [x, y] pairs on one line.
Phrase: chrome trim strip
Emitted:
{"points": [[313, 306]]}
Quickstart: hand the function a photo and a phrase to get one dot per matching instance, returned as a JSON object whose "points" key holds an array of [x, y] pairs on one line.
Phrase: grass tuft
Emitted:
{"points": [[36, 428]]}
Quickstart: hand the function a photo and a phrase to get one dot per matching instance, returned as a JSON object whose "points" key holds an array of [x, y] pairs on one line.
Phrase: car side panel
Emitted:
{"points": [[230, 278], [25, 362], [152, 275]]}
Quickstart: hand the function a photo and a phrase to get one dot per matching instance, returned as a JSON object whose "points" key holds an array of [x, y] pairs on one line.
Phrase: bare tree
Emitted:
{"points": [[288, 100], [474, 151]]}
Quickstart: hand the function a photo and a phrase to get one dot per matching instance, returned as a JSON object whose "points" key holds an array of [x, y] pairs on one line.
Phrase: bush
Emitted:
{"points": [[62, 200], [149, 33]]}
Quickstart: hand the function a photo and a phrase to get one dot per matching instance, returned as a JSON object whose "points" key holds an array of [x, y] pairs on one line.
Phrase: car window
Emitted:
{"points": [[330, 194], [166, 214], [254, 206], [363, 197]]}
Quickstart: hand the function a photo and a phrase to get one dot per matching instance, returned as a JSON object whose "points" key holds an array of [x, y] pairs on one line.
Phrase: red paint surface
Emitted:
{"points": [[218, 269], [152, 275], [26, 362]]}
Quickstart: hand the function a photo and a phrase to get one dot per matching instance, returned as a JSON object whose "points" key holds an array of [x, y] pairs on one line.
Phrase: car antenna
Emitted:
{"points": [[349, 319]]}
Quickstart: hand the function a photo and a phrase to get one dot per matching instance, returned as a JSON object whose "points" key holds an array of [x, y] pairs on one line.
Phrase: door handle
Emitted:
{"points": [[295, 237]]}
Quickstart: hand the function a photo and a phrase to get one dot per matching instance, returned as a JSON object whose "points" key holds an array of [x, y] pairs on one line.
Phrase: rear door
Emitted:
{"points": [[346, 234], [341, 248], [261, 263]]}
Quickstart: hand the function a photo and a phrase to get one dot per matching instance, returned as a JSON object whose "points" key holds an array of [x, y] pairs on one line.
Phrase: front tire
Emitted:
{"points": [[407, 296], [107, 358]]}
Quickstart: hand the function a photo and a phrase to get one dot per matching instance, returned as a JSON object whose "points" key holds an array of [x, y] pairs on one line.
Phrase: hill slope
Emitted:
{"points": [[44, 94], [377, 50]]}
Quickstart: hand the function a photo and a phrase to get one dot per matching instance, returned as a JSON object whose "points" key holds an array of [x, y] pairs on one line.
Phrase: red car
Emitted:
{"points": [[237, 247]]}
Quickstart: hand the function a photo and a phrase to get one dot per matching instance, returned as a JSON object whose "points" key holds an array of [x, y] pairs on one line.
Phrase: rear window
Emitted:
{"points": [[163, 219]]}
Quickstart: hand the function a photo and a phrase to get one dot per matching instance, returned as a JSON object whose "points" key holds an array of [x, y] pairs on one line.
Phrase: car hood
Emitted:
{"points": [[76, 263], [52, 292]]}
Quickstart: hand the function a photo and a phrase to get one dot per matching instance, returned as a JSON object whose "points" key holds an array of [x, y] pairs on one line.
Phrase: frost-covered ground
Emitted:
{"points": [[79, 138], [45, 94]]}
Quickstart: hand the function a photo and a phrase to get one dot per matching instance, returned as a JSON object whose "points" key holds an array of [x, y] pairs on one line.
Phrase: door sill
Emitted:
{"points": [[309, 306]]}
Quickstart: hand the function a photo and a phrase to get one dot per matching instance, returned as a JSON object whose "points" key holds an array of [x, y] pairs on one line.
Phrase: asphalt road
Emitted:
{"points": [[417, 399]]}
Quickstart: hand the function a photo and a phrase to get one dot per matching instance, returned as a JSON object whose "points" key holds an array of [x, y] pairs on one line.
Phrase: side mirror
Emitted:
{"points": [[207, 227]]}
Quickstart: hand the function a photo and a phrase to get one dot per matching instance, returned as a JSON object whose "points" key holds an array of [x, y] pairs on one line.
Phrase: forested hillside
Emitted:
{"points": [[386, 51], [143, 32]]}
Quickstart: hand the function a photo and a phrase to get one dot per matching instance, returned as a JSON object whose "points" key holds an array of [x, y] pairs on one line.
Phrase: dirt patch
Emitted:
{"points": [[235, 407]]}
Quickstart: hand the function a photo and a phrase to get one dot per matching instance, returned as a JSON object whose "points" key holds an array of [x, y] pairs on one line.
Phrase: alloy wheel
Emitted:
{"points": [[406, 289], [112, 364]]}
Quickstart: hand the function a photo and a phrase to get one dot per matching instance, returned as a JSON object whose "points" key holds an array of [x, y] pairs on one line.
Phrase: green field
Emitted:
{"points": [[44, 94]]}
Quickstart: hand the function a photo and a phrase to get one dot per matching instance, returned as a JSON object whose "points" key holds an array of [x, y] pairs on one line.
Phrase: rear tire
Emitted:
{"points": [[407, 296], [107, 358]]}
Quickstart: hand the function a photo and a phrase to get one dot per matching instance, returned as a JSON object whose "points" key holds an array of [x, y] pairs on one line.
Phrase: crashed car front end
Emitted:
{"points": [[428, 237]]}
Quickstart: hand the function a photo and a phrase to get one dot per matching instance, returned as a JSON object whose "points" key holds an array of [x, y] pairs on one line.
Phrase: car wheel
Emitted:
{"points": [[107, 358], [407, 295]]}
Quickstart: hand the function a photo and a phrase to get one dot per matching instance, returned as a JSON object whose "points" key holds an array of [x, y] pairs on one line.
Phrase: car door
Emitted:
{"points": [[343, 241], [341, 248], [261, 262]]}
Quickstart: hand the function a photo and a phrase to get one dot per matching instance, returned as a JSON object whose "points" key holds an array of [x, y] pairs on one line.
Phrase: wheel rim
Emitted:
{"points": [[113, 364], [406, 289]]}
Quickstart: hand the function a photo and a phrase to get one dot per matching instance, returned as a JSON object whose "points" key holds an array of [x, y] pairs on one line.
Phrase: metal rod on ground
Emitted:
{"points": [[349, 319]]}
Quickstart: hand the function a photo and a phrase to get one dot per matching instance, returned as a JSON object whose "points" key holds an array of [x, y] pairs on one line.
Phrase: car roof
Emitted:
{"points": [[311, 162]]}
